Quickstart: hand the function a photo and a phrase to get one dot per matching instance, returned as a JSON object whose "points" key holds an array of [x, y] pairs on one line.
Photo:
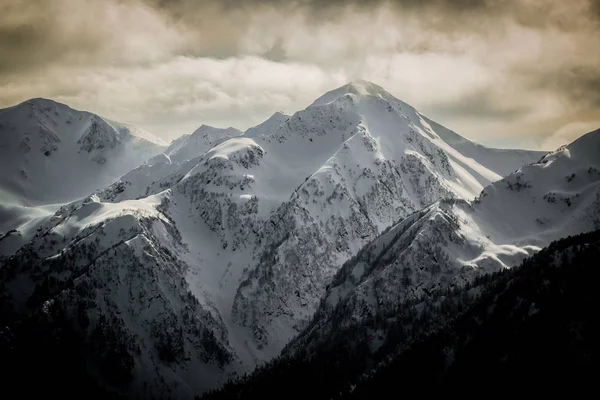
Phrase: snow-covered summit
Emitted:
{"points": [[239, 235], [267, 126], [586, 147], [358, 89], [51, 153], [199, 142], [50, 112]]}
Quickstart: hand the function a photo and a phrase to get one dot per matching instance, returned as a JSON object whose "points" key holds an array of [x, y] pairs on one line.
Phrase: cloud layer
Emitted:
{"points": [[521, 73]]}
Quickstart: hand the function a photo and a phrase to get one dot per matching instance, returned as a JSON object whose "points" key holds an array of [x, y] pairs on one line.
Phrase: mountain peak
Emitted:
{"points": [[34, 107], [586, 146], [43, 102], [210, 130], [43, 105], [199, 142], [590, 140], [361, 84], [360, 88]]}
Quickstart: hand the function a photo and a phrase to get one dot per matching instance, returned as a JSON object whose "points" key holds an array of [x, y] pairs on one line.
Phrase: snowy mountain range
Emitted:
{"points": [[51, 154], [451, 242], [212, 254], [519, 326]]}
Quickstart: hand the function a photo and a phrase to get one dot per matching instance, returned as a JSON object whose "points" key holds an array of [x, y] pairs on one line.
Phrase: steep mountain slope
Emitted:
{"points": [[449, 243], [518, 328], [51, 154], [385, 163], [18, 225], [106, 275], [236, 245], [367, 160], [501, 161], [180, 156], [425, 270]]}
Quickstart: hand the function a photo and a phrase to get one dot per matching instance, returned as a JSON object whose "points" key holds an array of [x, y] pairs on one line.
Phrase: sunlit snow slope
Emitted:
{"points": [[52, 154], [449, 243], [210, 257]]}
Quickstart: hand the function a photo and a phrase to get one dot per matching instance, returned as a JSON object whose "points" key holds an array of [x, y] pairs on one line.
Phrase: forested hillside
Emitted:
{"points": [[524, 327]]}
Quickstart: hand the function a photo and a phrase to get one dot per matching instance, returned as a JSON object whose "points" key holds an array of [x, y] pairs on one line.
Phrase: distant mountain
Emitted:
{"points": [[181, 155], [199, 142], [205, 261], [51, 154]]}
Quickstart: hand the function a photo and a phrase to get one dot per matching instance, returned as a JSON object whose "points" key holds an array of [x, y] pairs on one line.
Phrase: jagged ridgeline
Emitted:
{"points": [[228, 248], [519, 328]]}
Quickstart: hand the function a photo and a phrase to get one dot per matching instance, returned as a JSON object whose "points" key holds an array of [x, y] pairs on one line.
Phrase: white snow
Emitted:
{"points": [[307, 191], [51, 153], [199, 142], [451, 242]]}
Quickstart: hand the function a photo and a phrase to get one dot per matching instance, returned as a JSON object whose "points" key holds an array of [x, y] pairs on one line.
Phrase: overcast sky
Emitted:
{"points": [[522, 73]]}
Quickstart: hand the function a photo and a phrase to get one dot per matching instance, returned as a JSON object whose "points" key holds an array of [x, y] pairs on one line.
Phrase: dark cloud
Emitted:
{"points": [[32, 33], [38, 32], [441, 14], [109, 52], [275, 53], [579, 84]]}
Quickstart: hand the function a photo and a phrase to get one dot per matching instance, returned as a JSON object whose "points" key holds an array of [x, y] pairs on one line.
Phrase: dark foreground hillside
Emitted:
{"points": [[535, 326], [532, 327]]}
